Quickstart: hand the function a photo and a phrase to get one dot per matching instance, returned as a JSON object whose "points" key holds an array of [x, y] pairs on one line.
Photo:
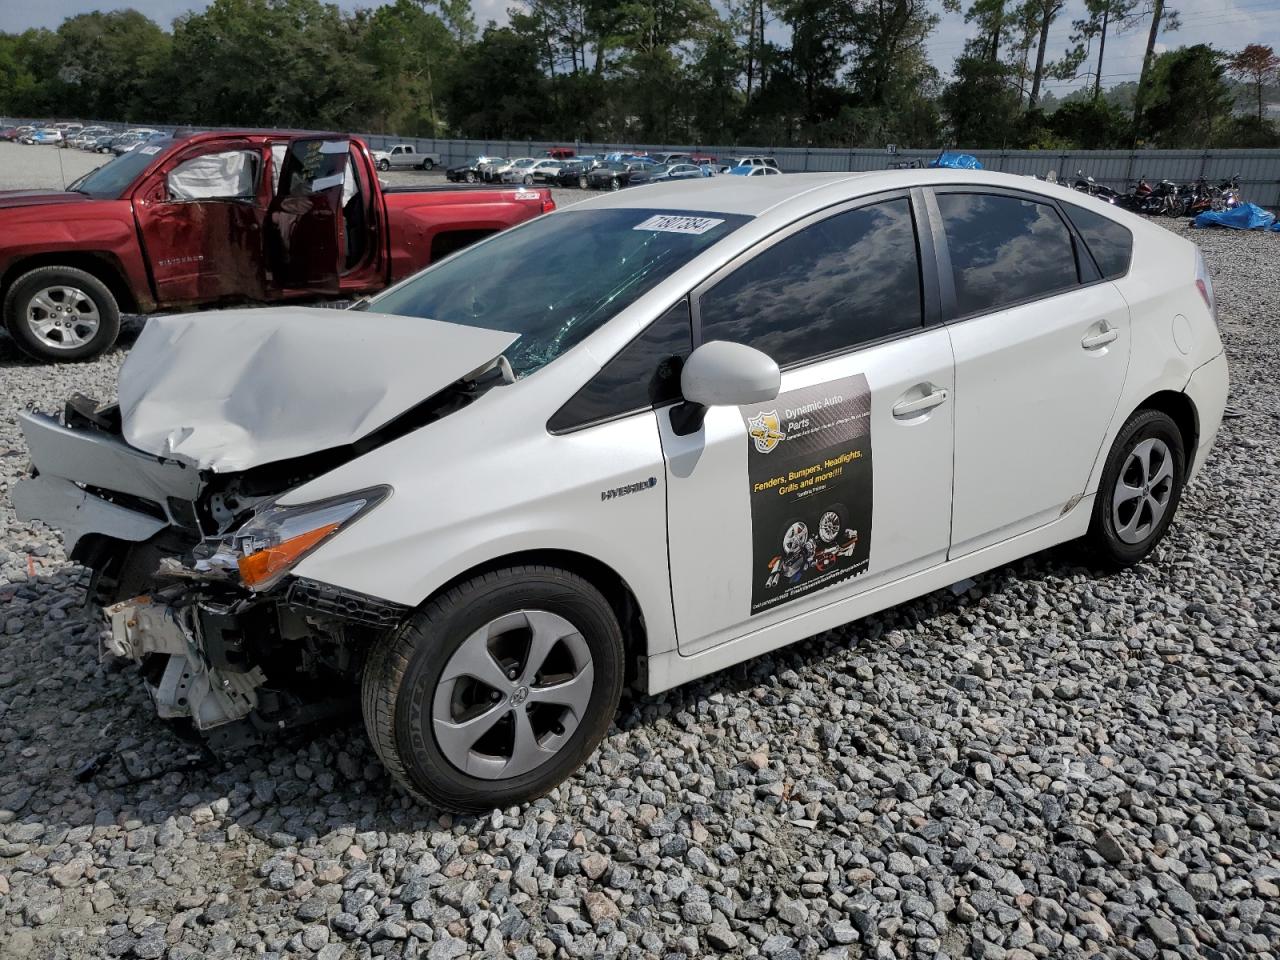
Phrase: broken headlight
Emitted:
{"points": [[276, 538]]}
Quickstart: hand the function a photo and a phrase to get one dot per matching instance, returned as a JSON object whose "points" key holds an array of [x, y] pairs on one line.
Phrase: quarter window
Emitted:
{"points": [[1110, 243], [1005, 250], [845, 280], [643, 374]]}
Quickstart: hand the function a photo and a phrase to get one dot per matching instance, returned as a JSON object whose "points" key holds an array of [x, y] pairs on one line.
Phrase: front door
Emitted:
{"points": [[307, 237], [841, 484], [1042, 350], [201, 217]]}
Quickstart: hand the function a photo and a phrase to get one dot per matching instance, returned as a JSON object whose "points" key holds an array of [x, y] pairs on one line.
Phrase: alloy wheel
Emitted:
{"points": [[512, 694], [1143, 491], [63, 317]]}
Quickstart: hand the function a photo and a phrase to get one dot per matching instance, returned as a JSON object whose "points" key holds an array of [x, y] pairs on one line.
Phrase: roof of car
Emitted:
{"points": [[795, 194]]}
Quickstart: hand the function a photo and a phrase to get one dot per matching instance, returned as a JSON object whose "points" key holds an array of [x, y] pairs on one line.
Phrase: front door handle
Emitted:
{"points": [[906, 409], [1106, 334]]}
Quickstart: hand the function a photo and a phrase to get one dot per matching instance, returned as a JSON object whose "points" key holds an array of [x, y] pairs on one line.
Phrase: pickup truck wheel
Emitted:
{"points": [[61, 313], [497, 690], [428, 165], [384, 164]]}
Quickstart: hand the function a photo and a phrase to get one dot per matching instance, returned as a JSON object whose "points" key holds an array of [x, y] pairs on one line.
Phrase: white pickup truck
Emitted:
{"points": [[404, 156]]}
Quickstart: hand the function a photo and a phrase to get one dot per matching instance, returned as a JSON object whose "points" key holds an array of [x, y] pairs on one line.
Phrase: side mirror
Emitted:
{"points": [[723, 374]]}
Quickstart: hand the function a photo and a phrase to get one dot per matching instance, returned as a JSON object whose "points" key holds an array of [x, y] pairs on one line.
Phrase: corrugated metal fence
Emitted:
{"points": [[1259, 170]]}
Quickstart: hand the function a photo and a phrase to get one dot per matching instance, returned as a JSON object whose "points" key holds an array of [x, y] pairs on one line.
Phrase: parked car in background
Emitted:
{"points": [[559, 475], [131, 139], [104, 143], [663, 158], [468, 172], [574, 173], [704, 159], [530, 171], [754, 162], [10, 134], [558, 153], [662, 172], [88, 136], [224, 217], [491, 170], [749, 171], [46, 136], [613, 175], [405, 156]]}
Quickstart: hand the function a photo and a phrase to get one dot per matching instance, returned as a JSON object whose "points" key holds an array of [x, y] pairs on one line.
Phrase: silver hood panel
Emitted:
{"points": [[229, 390]]}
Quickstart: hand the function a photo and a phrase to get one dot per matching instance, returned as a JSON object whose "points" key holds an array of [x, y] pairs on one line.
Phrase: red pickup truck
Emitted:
{"points": [[222, 217]]}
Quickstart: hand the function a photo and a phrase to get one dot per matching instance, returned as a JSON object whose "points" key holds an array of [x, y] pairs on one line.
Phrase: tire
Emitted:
{"points": [[384, 165], [471, 176], [1114, 538], [410, 683], [614, 184], [582, 183], [527, 181], [82, 294], [428, 165]]}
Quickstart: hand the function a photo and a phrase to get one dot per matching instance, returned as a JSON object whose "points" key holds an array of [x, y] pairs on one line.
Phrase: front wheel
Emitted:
{"points": [[471, 176], [496, 691], [384, 164], [582, 183], [61, 313], [1140, 490], [614, 184]]}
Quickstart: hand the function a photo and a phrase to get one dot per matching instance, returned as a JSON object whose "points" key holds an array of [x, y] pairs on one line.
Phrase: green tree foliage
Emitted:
{"points": [[787, 72]]}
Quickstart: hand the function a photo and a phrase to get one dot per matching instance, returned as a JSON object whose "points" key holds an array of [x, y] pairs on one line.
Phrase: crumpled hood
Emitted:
{"points": [[233, 389], [31, 198]]}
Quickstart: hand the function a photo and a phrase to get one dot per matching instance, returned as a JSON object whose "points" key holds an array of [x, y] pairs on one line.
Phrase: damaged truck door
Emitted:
{"points": [[306, 241], [200, 216]]}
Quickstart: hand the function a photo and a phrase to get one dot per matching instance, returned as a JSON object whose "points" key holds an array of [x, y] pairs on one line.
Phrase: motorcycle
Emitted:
{"points": [[1093, 188]]}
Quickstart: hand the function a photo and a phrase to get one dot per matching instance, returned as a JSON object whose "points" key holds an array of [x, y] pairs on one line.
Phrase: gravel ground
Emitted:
{"points": [[1052, 764]]}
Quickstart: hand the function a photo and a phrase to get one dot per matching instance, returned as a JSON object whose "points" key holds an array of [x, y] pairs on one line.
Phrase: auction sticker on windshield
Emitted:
{"points": [[676, 223], [809, 467]]}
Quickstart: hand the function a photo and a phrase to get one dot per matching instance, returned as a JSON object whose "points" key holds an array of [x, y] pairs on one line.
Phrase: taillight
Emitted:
{"points": [[548, 204], [1204, 283]]}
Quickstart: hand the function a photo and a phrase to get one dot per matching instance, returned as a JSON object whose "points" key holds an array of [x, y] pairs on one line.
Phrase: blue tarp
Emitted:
{"points": [[1247, 216], [956, 161]]}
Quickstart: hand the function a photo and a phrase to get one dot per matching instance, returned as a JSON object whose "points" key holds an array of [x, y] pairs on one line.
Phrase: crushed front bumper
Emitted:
{"points": [[91, 481]]}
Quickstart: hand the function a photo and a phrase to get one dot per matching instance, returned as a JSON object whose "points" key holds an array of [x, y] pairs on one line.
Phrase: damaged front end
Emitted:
{"points": [[192, 571], [172, 504]]}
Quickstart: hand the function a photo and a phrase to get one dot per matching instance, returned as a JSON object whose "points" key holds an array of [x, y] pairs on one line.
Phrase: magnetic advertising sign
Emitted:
{"points": [[809, 467]]}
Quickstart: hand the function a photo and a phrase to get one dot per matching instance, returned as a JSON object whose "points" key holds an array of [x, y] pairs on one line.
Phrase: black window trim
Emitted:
{"points": [[1066, 212], [925, 258], [1088, 273]]}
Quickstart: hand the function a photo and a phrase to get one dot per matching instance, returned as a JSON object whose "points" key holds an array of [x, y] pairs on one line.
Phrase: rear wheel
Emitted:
{"points": [[428, 165], [1140, 490], [614, 184], [582, 183], [496, 691], [61, 313]]}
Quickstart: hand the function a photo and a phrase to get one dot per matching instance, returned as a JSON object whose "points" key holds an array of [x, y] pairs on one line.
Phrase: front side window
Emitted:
{"points": [[1005, 250], [590, 264], [849, 279], [1110, 243], [228, 175]]}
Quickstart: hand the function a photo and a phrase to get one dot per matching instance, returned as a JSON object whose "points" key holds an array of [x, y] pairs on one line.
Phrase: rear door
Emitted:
{"points": [[306, 243], [201, 216], [841, 484], [1042, 350]]}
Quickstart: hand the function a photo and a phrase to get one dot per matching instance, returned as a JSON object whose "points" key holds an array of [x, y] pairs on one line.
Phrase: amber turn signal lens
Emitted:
{"points": [[262, 566]]}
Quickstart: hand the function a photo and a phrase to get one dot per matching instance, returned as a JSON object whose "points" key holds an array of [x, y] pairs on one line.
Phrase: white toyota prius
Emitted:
{"points": [[627, 444]]}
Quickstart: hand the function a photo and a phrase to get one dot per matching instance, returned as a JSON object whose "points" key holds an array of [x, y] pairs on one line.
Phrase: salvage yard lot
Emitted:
{"points": [[1055, 762]]}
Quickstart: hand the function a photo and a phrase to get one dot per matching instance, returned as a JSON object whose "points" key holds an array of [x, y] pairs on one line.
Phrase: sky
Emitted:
{"points": [[1226, 24]]}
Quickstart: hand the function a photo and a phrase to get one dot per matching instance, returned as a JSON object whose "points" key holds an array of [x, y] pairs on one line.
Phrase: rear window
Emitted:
{"points": [[558, 278], [1110, 243], [1005, 250]]}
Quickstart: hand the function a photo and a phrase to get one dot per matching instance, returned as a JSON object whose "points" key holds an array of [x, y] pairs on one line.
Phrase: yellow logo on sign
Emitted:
{"points": [[764, 431]]}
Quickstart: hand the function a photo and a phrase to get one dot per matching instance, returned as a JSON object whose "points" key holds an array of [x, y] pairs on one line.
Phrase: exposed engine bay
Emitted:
{"points": [[224, 640]]}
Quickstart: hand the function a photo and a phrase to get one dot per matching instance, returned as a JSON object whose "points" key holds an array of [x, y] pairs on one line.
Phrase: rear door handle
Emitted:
{"points": [[905, 409], [1106, 334]]}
